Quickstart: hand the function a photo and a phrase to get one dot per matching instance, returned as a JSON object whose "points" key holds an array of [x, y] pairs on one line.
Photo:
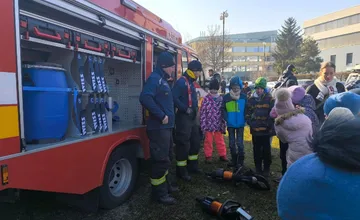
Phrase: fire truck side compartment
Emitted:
{"points": [[122, 72]]}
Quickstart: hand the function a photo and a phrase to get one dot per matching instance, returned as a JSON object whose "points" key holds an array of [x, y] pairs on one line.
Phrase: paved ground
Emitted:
{"points": [[262, 205]]}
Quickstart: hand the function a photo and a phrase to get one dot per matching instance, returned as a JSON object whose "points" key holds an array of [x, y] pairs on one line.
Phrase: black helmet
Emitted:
{"points": [[290, 69]]}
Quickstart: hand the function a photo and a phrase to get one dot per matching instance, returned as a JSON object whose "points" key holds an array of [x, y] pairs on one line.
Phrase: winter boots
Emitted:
{"points": [[182, 173], [160, 194], [237, 161]]}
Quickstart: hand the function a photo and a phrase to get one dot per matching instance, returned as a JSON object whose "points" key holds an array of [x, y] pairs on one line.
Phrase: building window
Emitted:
{"points": [[333, 59], [267, 58], [252, 68], [252, 49], [228, 69], [239, 59], [349, 57], [348, 39], [267, 49], [252, 58], [339, 23], [238, 49]]}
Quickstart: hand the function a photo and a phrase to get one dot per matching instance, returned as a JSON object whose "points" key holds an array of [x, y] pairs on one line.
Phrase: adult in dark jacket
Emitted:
{"points": [[246, 90], [214, 75], [324, 86], [261, 125], [325, 184], [157, 98], [187, 130], [223, 86], [288, 78]]}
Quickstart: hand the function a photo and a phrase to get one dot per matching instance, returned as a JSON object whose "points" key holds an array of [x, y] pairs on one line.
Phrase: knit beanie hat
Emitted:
{"points": [[346, 99], [165, 60], [260, 83], [283, 102], [236, 81], [297, 93], [339, 115], [214, 85], [195, 65], [356, 91]]}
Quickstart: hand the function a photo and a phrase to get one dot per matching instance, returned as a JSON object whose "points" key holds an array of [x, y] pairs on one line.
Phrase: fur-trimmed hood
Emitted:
{"points": [[282, 118], [295, 129]]}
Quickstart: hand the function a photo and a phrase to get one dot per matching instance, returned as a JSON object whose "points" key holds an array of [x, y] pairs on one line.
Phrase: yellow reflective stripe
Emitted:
{"points": [[193, 157], [162, 180], [181, 163], [156, 182]]}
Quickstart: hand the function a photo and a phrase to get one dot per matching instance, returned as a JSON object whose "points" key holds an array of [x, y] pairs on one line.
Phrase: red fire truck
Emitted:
{"points": [[70, 79]]}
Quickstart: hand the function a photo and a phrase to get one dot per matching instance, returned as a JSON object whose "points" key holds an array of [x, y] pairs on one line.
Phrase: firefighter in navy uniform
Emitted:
{"points": [[187, 130], [157, 98]]}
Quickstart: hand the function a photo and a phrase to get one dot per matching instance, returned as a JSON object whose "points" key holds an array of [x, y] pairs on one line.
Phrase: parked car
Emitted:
{"points": [[271, 84], [353, 81], [305, 82]]}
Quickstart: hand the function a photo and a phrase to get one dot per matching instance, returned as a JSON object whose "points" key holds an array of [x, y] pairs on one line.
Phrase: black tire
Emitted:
{"points": [[107, 200]]}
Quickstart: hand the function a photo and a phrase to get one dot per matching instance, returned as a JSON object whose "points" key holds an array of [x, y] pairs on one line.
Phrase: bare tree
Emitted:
{"points": [[256, 74], [187, 37], [210, 49]]}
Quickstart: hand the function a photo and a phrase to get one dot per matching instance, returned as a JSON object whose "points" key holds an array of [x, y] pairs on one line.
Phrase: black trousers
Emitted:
{"points": [[161, 143], [262, 152], [187, 143], [283, 149]]}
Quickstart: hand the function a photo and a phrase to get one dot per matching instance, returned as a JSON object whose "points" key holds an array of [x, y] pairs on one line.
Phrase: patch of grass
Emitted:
{"points": [[260, 204]]}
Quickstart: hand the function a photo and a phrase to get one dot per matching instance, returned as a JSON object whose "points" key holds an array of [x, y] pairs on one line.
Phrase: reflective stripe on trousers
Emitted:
{"points": [[161, 180], [182, 163], [193, 157]]}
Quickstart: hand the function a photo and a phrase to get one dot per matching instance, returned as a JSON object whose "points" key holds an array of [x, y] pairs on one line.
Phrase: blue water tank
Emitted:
{"points": [[46, 102]]}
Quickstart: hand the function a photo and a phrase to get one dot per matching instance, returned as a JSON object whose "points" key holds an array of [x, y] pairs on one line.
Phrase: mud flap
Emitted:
{"points": [[88, 202], [9, 195]]}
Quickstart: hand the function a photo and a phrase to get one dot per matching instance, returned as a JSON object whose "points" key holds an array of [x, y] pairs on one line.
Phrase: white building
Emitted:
{"points": [[338, 36]]}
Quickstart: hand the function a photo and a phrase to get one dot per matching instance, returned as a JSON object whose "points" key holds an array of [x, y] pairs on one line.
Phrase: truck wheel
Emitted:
{"points": [[119, 178]]}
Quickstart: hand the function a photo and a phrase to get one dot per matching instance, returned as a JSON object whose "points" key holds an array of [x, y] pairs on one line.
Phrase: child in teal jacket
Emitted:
{"points": [[233, 111]]}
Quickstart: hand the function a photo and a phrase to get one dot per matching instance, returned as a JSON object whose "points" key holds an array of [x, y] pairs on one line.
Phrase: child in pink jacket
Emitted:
{"points": [[212, 123], [292, 126]]}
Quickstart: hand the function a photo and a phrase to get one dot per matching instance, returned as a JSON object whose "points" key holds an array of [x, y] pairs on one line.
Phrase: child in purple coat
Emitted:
{"points": [[212, 123]]}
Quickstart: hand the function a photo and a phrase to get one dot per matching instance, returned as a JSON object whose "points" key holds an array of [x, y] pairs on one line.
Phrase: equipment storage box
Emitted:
{"points": [[88, 42], [43, 30], [124, 52], [46, 102]]}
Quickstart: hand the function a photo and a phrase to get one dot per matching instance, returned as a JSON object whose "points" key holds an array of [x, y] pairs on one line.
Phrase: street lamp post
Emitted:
{"points": [[223, 16], [264, 45]]}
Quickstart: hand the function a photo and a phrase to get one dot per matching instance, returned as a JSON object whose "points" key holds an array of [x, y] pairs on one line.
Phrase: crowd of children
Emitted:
{"points": [[291, 115], [320, 128], [234, 110]]}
